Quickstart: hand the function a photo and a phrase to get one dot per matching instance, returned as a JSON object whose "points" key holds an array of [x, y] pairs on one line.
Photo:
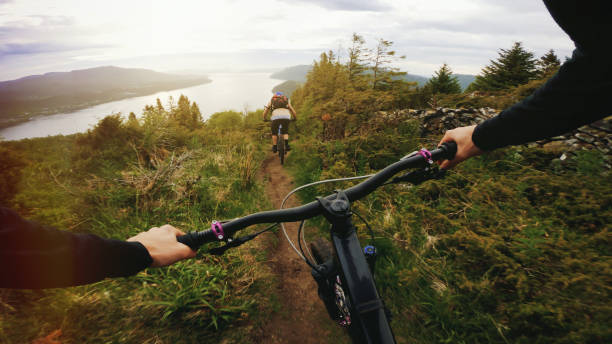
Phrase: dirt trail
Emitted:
{"points": [[302, 317]]}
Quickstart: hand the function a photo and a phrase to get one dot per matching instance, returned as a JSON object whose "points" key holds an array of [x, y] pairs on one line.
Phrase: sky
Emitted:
{"points": [[245, 35]]}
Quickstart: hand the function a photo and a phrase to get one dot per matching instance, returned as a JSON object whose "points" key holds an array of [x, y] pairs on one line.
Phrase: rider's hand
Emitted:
{"points": [[162, 245], [465, 146]]}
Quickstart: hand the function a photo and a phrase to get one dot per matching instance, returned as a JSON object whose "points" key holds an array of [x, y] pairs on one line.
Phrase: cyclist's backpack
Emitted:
{"points": [[280, 102]]}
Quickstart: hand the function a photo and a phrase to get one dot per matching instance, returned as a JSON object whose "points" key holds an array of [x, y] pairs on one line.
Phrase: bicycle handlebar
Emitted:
{"points": [[226, 230]]}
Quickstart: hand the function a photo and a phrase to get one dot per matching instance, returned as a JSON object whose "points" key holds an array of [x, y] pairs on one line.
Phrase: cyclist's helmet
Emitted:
{"points": [[278, 94]]}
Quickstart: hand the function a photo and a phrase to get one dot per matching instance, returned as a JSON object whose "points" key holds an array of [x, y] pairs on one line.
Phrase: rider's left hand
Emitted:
{"points": [[162, 245]]}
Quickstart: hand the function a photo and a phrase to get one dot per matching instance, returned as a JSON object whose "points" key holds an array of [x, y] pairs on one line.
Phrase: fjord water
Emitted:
{"points": [[227, 91]]}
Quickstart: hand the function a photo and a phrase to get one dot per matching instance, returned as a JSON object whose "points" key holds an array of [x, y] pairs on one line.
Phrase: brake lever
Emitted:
{"points": [[419, 176], [230, 243]]}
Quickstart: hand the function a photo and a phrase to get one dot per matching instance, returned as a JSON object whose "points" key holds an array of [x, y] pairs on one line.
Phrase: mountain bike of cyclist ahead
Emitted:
{"points": [[281, 113]]}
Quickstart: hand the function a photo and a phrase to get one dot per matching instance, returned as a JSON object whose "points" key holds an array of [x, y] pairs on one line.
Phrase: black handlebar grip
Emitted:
{"points": [[196, 239], [451, 149]]}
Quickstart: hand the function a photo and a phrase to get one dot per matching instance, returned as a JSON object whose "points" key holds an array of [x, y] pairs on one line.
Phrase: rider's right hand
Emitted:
{"points": [[465, 146]]}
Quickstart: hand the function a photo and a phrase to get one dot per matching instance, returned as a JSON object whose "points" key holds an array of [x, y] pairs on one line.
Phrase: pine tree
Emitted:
{"points": [[548, 64], [514, 67], [182, 113], [196, 116], [358, 56], [443, 81], [382, 74]]}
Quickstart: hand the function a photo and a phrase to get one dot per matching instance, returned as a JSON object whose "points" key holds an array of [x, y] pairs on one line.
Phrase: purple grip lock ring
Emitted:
{"points": [[426, 154], [217, 229]]}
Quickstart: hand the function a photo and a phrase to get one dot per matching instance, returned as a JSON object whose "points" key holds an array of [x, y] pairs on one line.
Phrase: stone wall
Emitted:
{"points": [[597, 135]]}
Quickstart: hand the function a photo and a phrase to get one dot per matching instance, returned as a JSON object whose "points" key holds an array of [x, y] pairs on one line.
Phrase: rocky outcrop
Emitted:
{"points": [[597, 135]]}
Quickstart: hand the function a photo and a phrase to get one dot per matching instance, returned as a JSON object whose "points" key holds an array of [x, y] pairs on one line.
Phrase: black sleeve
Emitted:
{"points": [[580, 92], [33, 256]]}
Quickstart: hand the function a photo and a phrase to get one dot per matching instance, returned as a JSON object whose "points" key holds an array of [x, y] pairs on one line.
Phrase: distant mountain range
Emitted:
{"points": [[57, 92], [297, 74]]}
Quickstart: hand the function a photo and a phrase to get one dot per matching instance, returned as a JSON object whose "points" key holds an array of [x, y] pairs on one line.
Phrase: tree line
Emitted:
{"points": [[344, 95]]}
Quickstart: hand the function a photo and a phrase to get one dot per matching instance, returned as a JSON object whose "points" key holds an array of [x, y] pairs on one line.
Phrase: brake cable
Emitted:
{"points": [[414, 177], [303, 187]]}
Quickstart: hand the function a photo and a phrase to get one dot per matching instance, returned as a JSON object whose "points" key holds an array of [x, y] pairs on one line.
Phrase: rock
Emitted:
{"points": [[558, 138], [597, 135], [555, 146], [571, 142], [591, 131], [604, 124], [584, 138]]}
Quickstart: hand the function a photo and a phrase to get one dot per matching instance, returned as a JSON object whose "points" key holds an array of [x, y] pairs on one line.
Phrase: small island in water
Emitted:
{"points": [[51, 93]]}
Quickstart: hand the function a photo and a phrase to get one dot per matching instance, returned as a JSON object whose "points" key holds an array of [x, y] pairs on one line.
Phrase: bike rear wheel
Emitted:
{"points": [[280, 145]]}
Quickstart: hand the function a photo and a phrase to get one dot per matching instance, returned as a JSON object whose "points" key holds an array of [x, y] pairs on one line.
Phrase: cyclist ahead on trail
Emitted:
{"points": [[281, 114]]}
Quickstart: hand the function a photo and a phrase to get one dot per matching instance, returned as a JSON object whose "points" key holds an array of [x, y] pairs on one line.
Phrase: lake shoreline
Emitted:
{"points": [[225, 91], [21, 119]]}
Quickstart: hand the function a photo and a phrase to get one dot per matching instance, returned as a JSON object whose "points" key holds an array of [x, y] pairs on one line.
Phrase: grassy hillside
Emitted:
{"points": [[508, 248], [511, 247], [123, 177]]}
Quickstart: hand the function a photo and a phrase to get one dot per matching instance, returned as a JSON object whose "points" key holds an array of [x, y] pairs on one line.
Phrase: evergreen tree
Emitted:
{"points": [[196, 116], [548, 64], [514, 67], [443, 81], [349, 94], [358, 56], [382, 74], [160, 107], [182, 113]]}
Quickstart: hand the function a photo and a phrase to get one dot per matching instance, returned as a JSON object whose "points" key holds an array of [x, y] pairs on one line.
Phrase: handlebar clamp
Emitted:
{"points": [[337, 209]]}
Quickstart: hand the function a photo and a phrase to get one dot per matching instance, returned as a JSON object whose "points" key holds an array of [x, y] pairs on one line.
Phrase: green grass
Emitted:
{"points": [[508, 248], [511, 247], [185, 179]]}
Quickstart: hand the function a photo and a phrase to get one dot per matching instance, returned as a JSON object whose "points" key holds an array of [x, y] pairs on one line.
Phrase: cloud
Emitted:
{"points": [[350, 5], [43, 48], [28, 48], [236, 33], [39, 34]]}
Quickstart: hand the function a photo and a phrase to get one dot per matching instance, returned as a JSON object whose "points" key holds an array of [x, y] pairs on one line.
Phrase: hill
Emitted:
{"points": [[465, 80], [420, 80], [298, 74], [56, 92], [287, 87]]}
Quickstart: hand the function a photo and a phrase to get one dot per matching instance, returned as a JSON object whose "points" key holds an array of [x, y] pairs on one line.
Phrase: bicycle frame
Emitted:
{"points": [[369, 322]]}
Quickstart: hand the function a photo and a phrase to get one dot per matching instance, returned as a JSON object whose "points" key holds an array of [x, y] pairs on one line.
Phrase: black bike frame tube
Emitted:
{"points": [[372, 324]]}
